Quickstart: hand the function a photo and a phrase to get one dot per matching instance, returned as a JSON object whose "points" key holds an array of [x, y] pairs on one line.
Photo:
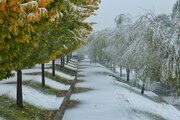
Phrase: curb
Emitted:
{"points": [[59, 114]]}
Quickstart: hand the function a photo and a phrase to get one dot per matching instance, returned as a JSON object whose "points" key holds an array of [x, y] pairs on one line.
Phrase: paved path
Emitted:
{"points": [[101, 103], [112, 100]]}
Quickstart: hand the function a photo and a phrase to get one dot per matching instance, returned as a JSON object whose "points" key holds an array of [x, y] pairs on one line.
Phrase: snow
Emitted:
{"points": [[72, 64], [48, 65], [74, 60], [32, 96], [63, 75], [13, 79], [31, 70], [96, 104], [70, 67], [49, 82], [124, 73], [59, 73], [172, 100], [112, 100], [52, 83], [140, 103], [118, 70]]}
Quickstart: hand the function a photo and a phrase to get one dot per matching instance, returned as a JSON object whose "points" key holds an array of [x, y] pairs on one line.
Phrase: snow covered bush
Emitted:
{"points": [[149, 46], [98, 45]]}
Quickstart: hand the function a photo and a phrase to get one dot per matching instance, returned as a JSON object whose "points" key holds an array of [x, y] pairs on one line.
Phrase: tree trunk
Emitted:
{"points": [[19, 101], [67, 60], [120, 71], [70, 56], [142, 89], [114, 68], [53, 67], [128, 73], [111, 66], [61, 62], [43, 75]]}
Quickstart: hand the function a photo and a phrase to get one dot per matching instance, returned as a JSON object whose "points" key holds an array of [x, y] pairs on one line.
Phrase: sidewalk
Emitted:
{"points": [[111, 100]]}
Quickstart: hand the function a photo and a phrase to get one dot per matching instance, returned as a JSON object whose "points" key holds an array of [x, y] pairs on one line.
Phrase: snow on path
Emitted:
{"points": [[111, 100], [32, 96], [100, 103]]}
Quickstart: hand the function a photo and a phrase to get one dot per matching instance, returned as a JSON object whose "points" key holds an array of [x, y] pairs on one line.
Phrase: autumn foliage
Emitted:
{"points": [[42, 28]]}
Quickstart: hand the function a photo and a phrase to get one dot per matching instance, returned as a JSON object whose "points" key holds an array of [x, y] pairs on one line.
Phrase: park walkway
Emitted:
{"points": [[111, 100]]}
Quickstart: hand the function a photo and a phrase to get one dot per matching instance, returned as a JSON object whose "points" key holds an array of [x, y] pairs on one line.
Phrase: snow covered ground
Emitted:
{"points": [[112, 100], [32, 96], [74, 60], [151, 87], [74, 64], [118, 70], [70, 67], [52, 83], [145, 106], [37, 78], [124, 73], [172, 100], [62, 75]]}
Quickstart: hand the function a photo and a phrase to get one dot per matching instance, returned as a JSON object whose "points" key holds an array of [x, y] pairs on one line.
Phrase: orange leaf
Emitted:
{"points": [[41, 3]]}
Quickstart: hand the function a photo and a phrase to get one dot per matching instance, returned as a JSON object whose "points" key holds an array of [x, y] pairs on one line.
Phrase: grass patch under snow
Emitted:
{"points": [[9, 111], [149, 115], [58, 79], [46, 89], [66, 70], [55, 78]]}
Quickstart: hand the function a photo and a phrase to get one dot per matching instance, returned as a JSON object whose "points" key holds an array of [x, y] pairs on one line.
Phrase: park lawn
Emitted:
{"points": [[9, 111]]}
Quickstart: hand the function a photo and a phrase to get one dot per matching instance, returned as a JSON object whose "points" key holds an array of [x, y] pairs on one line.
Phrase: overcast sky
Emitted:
{"points": [[109, 9]]}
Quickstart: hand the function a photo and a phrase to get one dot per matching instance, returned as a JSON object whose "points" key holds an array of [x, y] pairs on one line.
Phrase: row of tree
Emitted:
{"points": [[150, 46], [37, 31]]}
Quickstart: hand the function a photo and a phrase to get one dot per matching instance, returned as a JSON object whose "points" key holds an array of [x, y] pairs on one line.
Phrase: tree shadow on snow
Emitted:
{"points": [[138, 91], [101, 73], [149, 115]]}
